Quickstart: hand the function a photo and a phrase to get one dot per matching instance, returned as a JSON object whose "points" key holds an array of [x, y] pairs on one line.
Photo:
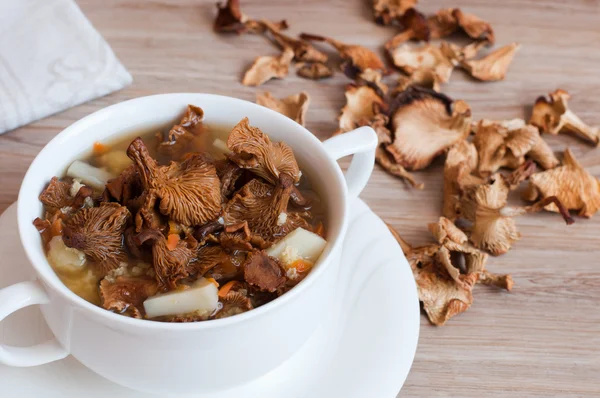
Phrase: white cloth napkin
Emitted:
{"points": [[51, 59]]}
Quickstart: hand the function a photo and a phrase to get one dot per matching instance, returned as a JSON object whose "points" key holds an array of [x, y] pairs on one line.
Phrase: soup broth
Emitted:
{"points": [[217, 221]]}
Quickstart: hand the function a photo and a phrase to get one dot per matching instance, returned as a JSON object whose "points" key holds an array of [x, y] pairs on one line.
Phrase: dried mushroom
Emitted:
{"points": [[228, 173], [293, 106], [494, 228], [268, 67], [493, 66], [425, 78], [574, 187], [444, 282], [475, 27], [553, 116], [501, 281], [461, 162], [425, 125], [206, 258], [443, 23], [263, 271], [98, 232], [385, 11], [230, 18], [254, 150], [56, 194], [449, 20], [180, 135], [264, 209], [234, 303], [303, 51], [189, 191], [415, 28], [127, 294], [170, 264], [507, 144], [355, 57], [126, 186], [362, 103], [382, 157], [426, 57], [457, 54], [315, 70]]}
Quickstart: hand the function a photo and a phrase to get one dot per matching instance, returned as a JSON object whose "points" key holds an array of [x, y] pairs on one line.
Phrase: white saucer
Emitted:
{"points": [[365, 350]]}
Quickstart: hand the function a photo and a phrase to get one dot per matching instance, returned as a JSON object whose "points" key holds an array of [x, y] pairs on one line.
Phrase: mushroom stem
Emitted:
{"points": [[335, 43], [147, 166], [538, 206]]}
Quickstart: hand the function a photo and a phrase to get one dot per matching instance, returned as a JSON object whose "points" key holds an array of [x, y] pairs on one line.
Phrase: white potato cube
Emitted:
{"points": [[115, 161], [221, 146], [89, 175], [65, 258], [201, 297], [302, 243]]}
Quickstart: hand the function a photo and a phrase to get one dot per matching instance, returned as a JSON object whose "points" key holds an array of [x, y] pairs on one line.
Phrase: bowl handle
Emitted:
{"points": [[361, 143], [12, 299]]}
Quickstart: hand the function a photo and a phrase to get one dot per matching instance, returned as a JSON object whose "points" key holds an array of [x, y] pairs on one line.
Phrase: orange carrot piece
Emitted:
{"points": [[100, 148], [226, 288], [213, 281], [172, 241], [301, 265]]}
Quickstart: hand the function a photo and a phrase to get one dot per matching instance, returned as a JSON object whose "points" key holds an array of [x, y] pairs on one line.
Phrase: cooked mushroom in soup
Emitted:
{"points": [[190, 224]]}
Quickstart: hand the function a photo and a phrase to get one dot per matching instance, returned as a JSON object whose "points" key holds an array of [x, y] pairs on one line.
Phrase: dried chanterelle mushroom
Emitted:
{"points": [[386, 11], [263, 208], [181, 134], [574, 186], [461, 163], [428, 57], [356, 58], [553, 116], [506, 144], [294, 106], [443, 283], [415, 28], [303, 50], [425, 78], [449, 20], [493, 228], [493, 66], [98, 232], [362, 102], [127, 294], [268, 67], [254, 150], [314, 70], [189, 191], [230, 18], [425, 124]]}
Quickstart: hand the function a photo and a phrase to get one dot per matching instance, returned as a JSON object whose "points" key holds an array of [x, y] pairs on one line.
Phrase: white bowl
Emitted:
{"points": [[179, 358]]}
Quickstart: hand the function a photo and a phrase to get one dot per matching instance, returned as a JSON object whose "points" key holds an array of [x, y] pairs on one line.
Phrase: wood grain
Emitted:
{"points": [[543, 339]]}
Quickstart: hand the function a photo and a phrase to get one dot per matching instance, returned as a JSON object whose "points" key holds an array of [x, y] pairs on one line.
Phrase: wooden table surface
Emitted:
{"points": [[542, 339]]}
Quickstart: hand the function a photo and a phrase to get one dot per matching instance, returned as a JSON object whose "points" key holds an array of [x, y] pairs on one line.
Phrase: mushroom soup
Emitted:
{"points": [[188, 224]]}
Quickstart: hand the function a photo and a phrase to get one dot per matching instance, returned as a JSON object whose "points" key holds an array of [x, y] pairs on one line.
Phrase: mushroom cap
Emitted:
{"points": [[425, 125], [256, 152], [263, 271], [189, 191], [572, 184], [493, 66], [127, 294], [98, 232], [293, 106]]}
